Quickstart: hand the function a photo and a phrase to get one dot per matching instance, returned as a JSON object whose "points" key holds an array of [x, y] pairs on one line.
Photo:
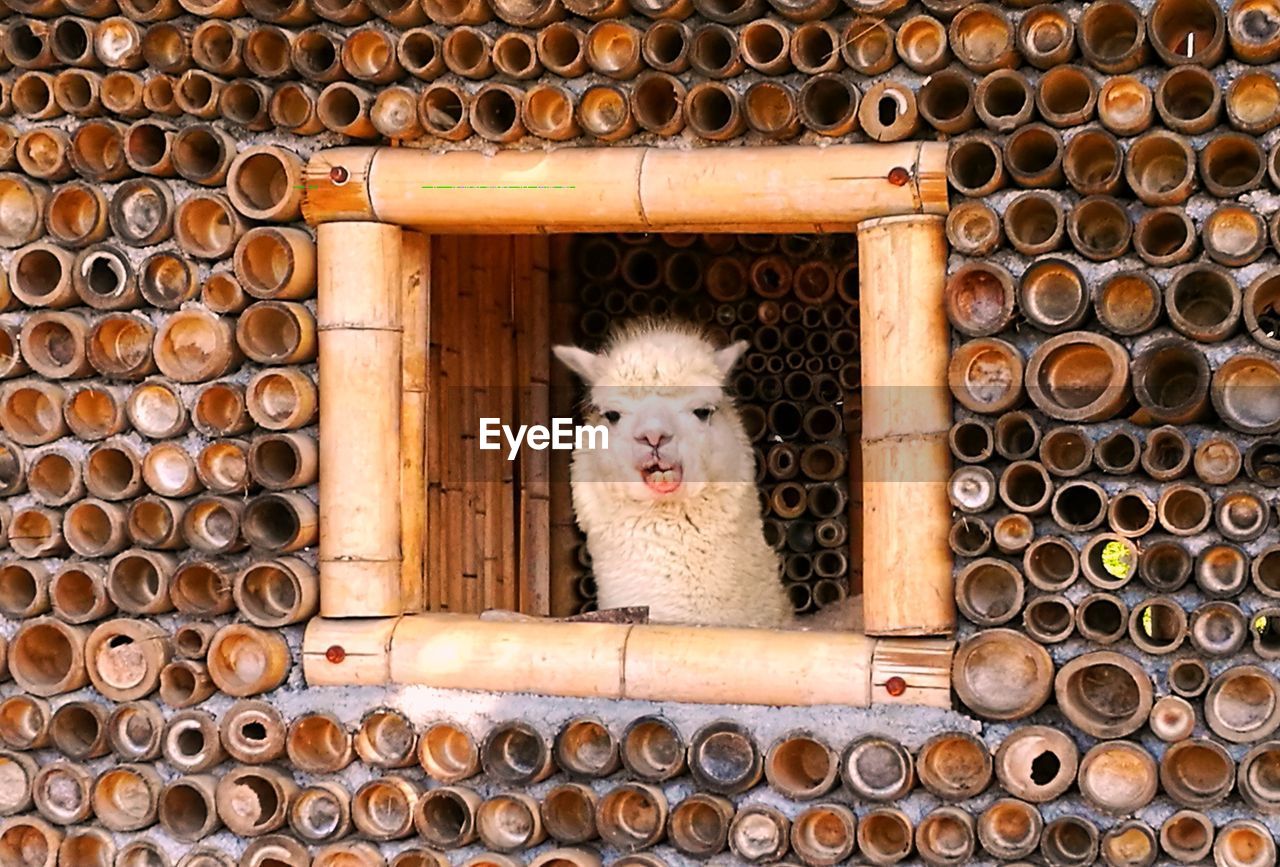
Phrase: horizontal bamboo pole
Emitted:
{"points": [[624, 189], [600, 660]]}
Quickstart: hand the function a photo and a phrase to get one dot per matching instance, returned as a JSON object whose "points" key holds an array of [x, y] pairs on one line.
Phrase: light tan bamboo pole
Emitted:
{"points": [[660, 662], [906, 418], [629, 188], [415, 299], [361, 336]]}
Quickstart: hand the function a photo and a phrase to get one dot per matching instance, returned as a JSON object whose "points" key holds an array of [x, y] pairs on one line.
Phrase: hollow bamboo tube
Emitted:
{"points": [[954, 765], [510, 822], [61, 792], [896, 254], [759, 833], [361, 854], [45, 153], [631, 816], [321, 812], [368, 338], [252, 801], [946, 102], [699, 825], [155, 410], [446, 816], [184, 683], [1188, 100], [283, 849], [946, 836], [448, 752], [1004, 100], [884, 835], [24, 589], [1010, 829], [24, 722], [276, 332], [824, 834], [124, 658], [191, 743], [244, 660], [47, 657], [30, 840], [655, 205], [40, 275], [135, 730], [187, 810], [78, 730]]}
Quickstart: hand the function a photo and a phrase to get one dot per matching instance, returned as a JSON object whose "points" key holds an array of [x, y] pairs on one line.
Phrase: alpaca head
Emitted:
{"points": [[659, 389]]}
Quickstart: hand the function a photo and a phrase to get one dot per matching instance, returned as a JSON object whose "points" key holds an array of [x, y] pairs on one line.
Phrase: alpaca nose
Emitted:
{"points": [[654, 437]]}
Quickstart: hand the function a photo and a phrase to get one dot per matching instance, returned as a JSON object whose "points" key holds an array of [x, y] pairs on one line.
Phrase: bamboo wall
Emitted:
{"points": [[1112, 289]]}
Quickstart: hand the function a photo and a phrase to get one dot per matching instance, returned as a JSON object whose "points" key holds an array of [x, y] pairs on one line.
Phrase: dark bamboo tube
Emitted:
{"points": [[815, 48], [759, 833], [113, 471], [218, 47], [1052, 293], [78, 93], [1069, 840], [884, 835], [869, 46], [1049, 619], [28, 44], [187, 810], [1066, 96], [446, 816], [1171, 382], [1025, 487], [699, 825], [515, 753], [316, 53], [103, 276], [1079, 505], [828, 105], [1159, 167], [515, 55], [989, 592], [245, 102], [979, 298], [97, 151], [159, 96], [585, 748], [221, 292], [561, 47], [657, 101], [40, 275], [713, 51], [283, 461], [94, 528], [185, 683], [1203, 302], [1165, 236], [713, 111], [946, 102], [888, 112], [1187, 835], [202, 154], [138, 581], [652, 749], [468, 51], [1232, 164], [1112, 37], [420, 52], [1218, 629], [1187, 31], [764, 45], [1188, 100], [921, 43], [1104, 694], [54, 344], [1033, 156], [191, 641], [344, 108], [1004, 100], [495, 112], [197, 93], [1131, 513], [1066, 451], [148, 148]]}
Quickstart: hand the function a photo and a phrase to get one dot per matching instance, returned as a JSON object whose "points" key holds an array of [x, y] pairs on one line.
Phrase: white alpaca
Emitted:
{"points": [[670, 509]]}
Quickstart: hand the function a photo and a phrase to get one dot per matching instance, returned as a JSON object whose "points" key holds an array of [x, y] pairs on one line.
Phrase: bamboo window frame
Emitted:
{"points": [[374, 209]]}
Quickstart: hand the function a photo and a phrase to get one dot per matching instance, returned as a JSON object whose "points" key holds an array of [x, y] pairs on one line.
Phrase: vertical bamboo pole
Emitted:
{"points": [[360, 320], [563, 531], [415, 268], [906, 415], [533, 358], [443, 256]]}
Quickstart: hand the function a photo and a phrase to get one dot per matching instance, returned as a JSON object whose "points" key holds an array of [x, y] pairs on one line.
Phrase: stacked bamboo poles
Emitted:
{"points": [[790, 299]]}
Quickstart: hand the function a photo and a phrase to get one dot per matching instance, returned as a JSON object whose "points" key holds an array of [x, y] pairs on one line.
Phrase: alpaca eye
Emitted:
{"points": [[704, 413], [612, 416]]}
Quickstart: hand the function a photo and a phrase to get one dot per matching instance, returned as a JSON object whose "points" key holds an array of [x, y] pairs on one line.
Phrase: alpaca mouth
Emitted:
{"points": [[662, 478]]}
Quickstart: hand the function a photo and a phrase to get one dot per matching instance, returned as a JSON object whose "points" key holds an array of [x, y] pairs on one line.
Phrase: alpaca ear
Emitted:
{"points": [[726, 358], [580, 361]]}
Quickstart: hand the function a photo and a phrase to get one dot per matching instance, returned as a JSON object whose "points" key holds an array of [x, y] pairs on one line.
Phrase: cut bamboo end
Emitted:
{"points": [[35, 839], [759, 833], [47, 657], [946, 836], [244, 660], [78, 730], [126, 797], [954, 766], [1002, 674], [1010, 829], [24, 722], [319, 743], [61, 792], [125, 657], [448, 752], [252, 801], [187, 809], [135, 730]]}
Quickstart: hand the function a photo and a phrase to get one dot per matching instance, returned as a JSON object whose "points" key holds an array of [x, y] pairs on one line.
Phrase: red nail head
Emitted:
{"points": [[895, 686], [339, 175], [899, 176], [336, 654]]}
